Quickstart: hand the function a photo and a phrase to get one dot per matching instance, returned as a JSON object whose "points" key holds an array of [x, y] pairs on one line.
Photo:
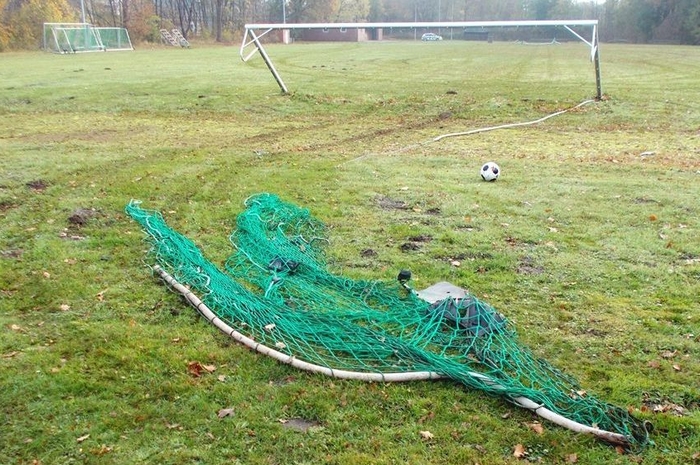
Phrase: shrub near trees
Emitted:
{"points": [[21, 21], [641, 21]]}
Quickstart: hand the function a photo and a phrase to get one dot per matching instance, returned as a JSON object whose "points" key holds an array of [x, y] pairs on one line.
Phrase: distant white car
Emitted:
{"points": [[429, 36]]}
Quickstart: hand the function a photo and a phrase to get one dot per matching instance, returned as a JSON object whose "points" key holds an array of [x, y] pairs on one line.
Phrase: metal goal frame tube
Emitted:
{"points": [[268, 62]]}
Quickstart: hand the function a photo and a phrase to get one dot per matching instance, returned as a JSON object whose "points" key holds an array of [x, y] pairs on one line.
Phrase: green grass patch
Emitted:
{"points": [[588, 242]]}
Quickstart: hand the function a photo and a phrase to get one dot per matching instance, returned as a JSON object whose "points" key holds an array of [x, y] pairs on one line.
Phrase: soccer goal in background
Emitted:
{"points": [[84, 37], [375, 31]]}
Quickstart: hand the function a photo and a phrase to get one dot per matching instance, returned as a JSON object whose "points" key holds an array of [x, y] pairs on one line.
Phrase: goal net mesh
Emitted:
{"points": [[83, 37], [277, 289]]}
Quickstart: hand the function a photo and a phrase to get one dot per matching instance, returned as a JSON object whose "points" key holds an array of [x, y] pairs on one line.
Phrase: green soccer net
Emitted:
{"points": [[277, 290], [84, 37]]}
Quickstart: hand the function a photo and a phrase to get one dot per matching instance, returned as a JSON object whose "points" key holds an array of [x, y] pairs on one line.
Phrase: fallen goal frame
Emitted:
{"points": [[254, 32]]}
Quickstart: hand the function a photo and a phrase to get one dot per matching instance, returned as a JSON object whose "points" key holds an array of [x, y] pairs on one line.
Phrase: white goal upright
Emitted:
{"points": [[253, 33], [84, 37]]}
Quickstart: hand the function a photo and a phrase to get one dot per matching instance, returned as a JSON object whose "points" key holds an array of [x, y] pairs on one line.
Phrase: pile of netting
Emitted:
{"points": [[277, 290]]}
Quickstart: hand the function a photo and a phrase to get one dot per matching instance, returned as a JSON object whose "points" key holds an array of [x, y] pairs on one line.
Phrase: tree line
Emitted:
{"points": [[635, 21]]}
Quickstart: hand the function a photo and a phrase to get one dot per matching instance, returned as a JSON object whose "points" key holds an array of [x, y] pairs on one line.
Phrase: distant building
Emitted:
{"points": [[357, 34]]}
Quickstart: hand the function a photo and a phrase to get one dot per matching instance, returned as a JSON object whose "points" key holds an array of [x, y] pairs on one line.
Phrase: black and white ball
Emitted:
{"points": [[490, 171]]}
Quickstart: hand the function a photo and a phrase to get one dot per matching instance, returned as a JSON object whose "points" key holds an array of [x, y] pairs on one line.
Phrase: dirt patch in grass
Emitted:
{"points": [[81, 216], [369, 253], [300, 424], [37, 185], [410, 246], [6, 205], [415, 242], [387, 203], [527, 265], [12, 253], [421, 238], [643, 200]]}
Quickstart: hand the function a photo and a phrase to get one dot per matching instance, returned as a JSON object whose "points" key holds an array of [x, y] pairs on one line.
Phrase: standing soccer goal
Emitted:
{"points": [[84, 37], [254, 32]]}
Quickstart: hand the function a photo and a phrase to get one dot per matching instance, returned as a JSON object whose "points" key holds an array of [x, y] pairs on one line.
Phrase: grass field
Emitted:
{"points": [[589, 243]]}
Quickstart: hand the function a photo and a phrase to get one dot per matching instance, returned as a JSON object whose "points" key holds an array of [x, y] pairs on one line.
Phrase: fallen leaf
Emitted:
{"points": [[668, 354], [571, 458], [221, 378], [209, 368], [620, 450], [426, 435], [195, 369], [653, 218], [225, 412], [653, 364], [536, 427], [519, 451], [676, 367], [47, 275], [82, 438], [10, 354], [16, 328], [65, 307], [104, 449]]}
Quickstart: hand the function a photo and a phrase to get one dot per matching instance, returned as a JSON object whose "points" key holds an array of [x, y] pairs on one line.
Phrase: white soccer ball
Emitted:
{"points": [[490, 171]]}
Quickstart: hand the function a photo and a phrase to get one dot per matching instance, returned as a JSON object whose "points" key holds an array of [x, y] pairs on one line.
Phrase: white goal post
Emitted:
{"points": [[253, 33]]}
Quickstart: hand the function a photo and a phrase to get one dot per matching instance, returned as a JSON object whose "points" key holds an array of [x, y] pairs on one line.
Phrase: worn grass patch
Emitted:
{"points": [[588, 242]]}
